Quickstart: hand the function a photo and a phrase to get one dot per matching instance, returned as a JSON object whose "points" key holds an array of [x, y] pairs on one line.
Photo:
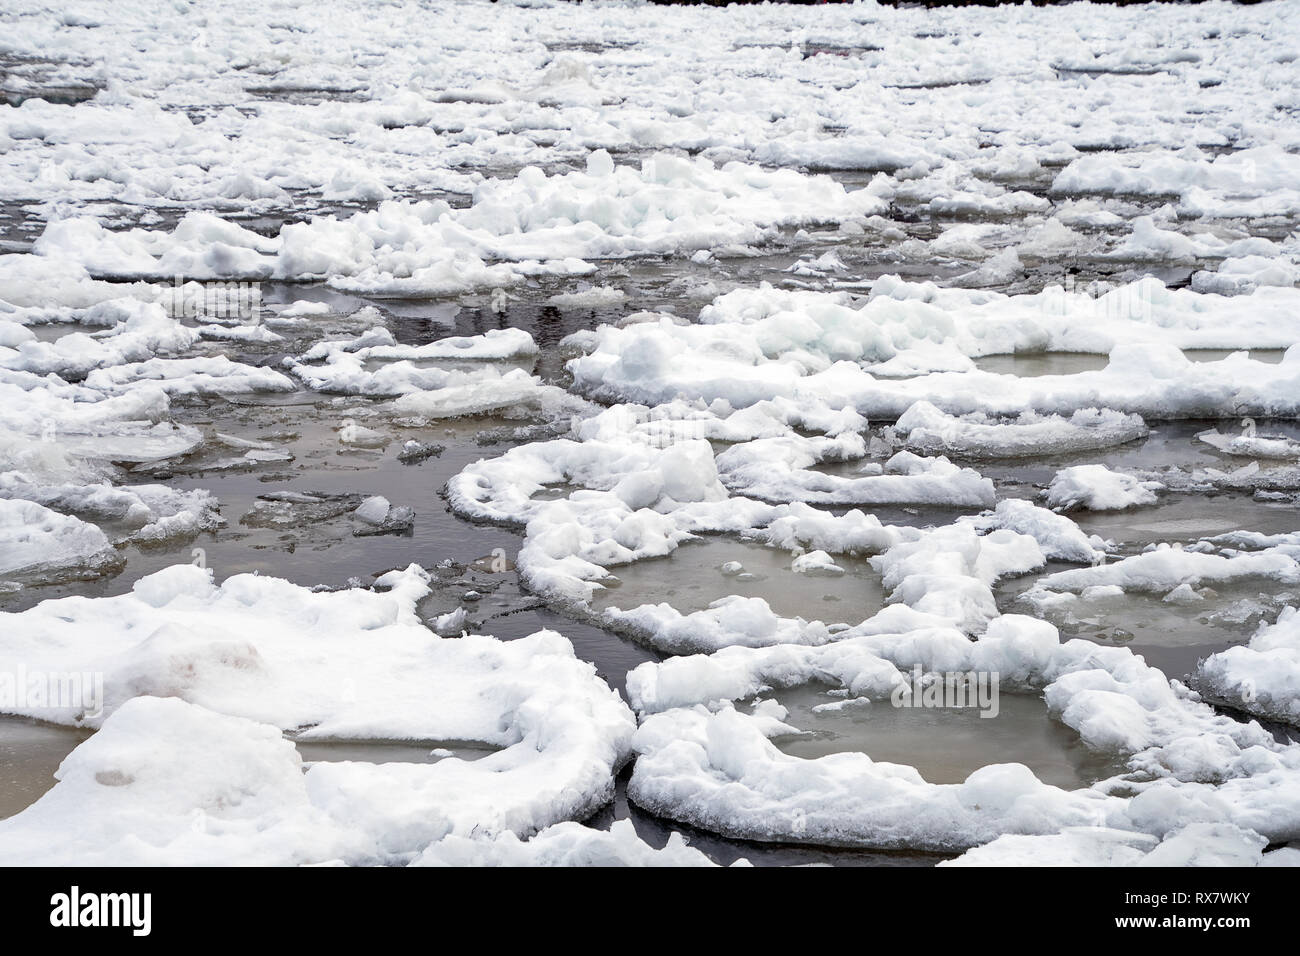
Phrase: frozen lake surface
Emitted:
{"points": [[487, 438]]}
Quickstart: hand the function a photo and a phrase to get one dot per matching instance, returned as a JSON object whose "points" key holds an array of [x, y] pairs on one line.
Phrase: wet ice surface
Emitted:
{"points": [[700, 573], [384, 751], [30, 752], [1189, 518], [1045, 363], [1169, 635], [1064, 189], [945, 744]]}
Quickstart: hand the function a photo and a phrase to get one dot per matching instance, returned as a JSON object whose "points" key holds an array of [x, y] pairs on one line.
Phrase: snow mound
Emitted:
{"points": [[1097, 488]]}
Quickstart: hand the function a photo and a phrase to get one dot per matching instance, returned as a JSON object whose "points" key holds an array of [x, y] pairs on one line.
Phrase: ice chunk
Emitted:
{"points": [[373, 510], [931, 431], [1252, 445], [779, 469], [353, 434], [1161, 570], [155, 512], [596, 297], [215, 375], [1059, 537], [35, 541], [513, 394], [1097, 488], [713, 767], [718, 771], [382, 517], [815, 562]]}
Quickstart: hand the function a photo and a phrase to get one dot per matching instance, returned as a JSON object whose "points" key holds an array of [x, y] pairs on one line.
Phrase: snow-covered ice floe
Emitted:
{"points": [[821, 348], [930, 430], [643, 498], [1252, 445], [704, 762], [533, 224], [445, 378], [61, 450], [1097, 488], [1197, 844], [564, 844], [37, 541], [200, 683], [152, 513]]}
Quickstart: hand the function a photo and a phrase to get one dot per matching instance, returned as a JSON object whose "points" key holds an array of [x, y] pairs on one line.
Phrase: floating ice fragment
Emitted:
{"points": [[1097, 488]]}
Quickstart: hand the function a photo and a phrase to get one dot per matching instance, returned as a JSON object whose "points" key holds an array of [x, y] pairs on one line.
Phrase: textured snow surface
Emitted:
{"points": [[717, 769], [1263, 677], [258, 656], [951, 312]]}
